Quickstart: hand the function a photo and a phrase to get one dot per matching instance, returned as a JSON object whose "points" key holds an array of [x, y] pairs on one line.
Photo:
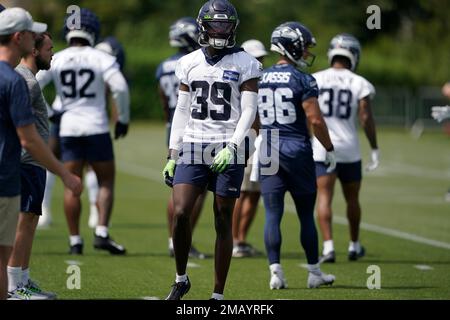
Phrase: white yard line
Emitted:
{"points": [[153, 175], [423, 267]]}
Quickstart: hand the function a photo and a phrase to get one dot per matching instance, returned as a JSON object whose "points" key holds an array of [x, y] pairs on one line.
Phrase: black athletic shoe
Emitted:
{"points": [[328, 258], [353, 255], [76, 249], [194, 253], [179, 289], [108, 244]]}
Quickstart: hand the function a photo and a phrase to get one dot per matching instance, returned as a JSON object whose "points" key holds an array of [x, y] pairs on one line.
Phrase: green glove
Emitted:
{"points": [[169, 169], [223, 158]]}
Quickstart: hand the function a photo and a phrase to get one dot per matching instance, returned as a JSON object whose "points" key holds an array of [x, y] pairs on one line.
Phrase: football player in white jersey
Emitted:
{"points": [[183, 35], [80, 74], [344, 96], [216, 107]]}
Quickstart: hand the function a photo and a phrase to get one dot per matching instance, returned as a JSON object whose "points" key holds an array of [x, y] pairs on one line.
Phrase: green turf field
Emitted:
{"points": [[403, 211]]}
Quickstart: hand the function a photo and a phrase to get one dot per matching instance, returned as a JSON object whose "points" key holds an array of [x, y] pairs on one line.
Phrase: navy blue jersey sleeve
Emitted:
{"points": [[20, 107], [310, 88]]}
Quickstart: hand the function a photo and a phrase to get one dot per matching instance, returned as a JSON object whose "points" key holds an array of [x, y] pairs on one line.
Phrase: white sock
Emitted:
{"points": [[354, 246], [25, 276], [92, 185], [50, 182], [314, 268], [75, 240], [217, 296], [275, 267], [14, 278], [182, 278], [101, 231], [328, 246], [170, 243]]}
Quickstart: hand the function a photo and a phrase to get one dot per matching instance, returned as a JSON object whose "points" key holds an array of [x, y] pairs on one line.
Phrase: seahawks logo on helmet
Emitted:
{"points": [[292, 39], [89, 28], [217, 20], [345, 45], [184, 34]]}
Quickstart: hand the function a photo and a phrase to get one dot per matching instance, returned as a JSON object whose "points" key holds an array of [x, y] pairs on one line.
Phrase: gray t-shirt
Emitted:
{"points": [[39, 106]]}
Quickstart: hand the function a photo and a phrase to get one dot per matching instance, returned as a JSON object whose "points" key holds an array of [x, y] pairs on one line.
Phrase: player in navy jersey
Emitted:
{"points": [[183, 35], [288, 107]]}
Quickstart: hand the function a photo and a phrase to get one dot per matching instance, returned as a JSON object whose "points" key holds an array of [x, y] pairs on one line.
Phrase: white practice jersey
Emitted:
{"points": [[215, 97], [80, 75], [340, 93]]}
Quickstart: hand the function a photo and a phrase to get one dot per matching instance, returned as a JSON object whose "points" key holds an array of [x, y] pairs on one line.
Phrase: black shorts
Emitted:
{"points": [[346, 172], [33, 180], [95, 148]]}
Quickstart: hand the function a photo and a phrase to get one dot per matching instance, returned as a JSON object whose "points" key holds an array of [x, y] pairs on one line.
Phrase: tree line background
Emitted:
{"points": [[411, 49]]}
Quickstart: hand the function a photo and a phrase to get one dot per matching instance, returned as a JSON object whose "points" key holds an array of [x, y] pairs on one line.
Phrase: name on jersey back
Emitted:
{"points": [[276, 77]]}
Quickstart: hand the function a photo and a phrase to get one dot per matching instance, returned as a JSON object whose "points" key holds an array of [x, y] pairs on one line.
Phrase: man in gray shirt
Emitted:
{"points": [[33, 176]]}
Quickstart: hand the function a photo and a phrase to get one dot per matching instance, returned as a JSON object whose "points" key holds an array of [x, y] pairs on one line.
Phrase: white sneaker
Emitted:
{"points": [[277, 280], [23, 293], [93, 217], [316, 280], [45, 220], [34, 288]]}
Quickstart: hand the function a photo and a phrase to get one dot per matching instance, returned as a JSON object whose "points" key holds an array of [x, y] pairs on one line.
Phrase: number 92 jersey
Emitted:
{"points": [[215, 96], [340, 92], [282, 90], [79, 75]]}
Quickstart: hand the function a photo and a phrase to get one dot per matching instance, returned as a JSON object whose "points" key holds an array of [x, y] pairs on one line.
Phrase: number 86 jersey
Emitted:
{"points": [[340, 91], [282, 90], [214, 84]]}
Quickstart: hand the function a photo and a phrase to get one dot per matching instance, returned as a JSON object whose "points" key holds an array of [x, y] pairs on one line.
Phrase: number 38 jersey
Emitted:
{"points": [[79, 75], [215, 96], [340, 93], [282, 90]]}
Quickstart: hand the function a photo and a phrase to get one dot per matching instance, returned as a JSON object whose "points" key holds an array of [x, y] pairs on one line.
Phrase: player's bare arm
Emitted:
{"points": [[367, 121], [317, 123], [164, 103]]}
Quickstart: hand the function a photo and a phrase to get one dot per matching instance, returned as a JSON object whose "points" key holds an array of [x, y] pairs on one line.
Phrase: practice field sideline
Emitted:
{"points": [[406, 231]]}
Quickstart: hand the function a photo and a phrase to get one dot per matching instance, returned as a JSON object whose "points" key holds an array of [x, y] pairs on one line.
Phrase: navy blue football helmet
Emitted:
{"points": [[292, 39], [217, 20], [89, 28], [2, 8], [184, 34], [113, 47], [345, 45]]}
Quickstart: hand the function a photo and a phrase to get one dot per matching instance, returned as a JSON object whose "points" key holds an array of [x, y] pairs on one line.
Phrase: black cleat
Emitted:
{"points": [[76, 249], [328, 258], [108, 244], [353, 255], [194, 253], [179, 289]]}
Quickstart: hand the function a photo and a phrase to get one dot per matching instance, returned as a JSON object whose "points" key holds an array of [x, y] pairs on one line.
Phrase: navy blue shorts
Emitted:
{"points": [[296, 172], [193, 169], [95, 148], [32, 179], [346, 172], [54, 130]]}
